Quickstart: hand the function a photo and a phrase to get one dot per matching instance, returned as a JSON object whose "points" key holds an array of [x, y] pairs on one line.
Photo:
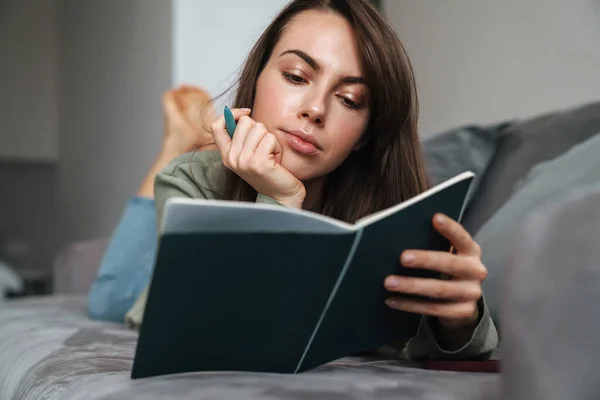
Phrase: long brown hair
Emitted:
{"points": [[389, 167]]}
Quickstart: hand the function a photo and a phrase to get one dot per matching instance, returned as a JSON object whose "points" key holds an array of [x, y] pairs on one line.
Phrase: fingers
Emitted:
{"points": [[452, 300], [244, 125], [246, 157], [458, 310], [458, 236], [457, 266], [219, 131], [269, 147], [453, 290]]}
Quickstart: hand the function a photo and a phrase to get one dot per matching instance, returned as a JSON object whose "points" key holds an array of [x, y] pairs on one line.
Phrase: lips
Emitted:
{"points": [[302, 142]]}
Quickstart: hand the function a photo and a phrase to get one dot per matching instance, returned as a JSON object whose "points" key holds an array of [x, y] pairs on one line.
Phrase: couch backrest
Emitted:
{"points": [[521, 146]]}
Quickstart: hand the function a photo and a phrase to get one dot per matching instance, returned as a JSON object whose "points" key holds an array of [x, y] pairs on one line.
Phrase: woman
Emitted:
{"points": [[128, 261], [327, 121]]}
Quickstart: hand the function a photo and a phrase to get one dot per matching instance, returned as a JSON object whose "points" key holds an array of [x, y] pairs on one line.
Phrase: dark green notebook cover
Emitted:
{"points": [[263, 288]]}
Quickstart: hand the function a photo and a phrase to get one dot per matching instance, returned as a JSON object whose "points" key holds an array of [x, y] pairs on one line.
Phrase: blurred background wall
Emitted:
{"points": [[481, 61], [29, 128], [115, 63]]}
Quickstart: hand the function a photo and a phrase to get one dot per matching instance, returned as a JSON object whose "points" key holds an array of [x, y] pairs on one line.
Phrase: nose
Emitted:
{"points": [[313, 108]]}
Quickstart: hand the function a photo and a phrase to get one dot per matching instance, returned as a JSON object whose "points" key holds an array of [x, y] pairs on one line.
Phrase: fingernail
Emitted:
{"points": [[391, 282], [391, 302], [408, 258], [245, 109]]}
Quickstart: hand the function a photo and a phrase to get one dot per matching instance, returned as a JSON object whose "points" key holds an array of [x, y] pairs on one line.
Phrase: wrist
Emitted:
{"points": [[452, 334], [453, 324], [295, 200]]}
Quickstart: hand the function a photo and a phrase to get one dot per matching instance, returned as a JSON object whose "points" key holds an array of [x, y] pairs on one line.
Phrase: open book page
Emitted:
{"points": [[237, 300], [370, 219], [199, 216], [357, 318], [184, 215]]}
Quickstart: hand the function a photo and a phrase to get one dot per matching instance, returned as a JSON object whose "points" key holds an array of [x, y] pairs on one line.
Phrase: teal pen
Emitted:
{"points": [[229, 121]]}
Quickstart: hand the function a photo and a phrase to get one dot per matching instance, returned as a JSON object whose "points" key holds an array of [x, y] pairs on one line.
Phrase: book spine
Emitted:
{"points": [[349, 259]]}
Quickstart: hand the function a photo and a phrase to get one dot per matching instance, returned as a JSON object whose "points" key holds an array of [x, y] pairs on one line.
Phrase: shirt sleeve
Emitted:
{"points": [[127, 264], [261, 198], [198, 175], [481, 344]]}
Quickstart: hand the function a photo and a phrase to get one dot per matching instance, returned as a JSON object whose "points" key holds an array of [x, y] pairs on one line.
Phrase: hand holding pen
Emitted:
{"points": [[255, 155]]}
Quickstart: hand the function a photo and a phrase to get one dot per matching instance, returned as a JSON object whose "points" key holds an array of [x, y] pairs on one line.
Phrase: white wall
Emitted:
{"points": [[211, 39], [483, 61], [115, 66], [28, 81]]}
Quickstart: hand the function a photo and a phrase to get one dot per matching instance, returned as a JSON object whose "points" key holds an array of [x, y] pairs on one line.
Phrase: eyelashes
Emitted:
{"points": [[293, 78], [297, 80], [349, 103]]}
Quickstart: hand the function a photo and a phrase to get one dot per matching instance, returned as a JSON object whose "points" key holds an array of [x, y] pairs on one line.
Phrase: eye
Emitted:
{"points": [[293, 78], [349, 103]]}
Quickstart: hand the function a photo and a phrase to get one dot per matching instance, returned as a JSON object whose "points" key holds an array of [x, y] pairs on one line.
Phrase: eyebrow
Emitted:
{"points": [[317, 67]]}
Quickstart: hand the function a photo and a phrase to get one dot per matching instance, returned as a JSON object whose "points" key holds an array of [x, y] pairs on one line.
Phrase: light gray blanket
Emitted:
{"points": [[50, 350]]}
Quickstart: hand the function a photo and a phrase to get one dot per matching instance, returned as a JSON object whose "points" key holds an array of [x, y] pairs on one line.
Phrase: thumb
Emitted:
{"points": [[219, 129]]}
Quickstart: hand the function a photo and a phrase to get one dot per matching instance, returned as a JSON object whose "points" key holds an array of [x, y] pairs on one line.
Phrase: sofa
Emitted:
{"points": [[535, 210]]}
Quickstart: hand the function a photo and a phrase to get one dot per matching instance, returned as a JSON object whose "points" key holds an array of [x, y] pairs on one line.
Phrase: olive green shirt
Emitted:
{"points": [[201, 175]]}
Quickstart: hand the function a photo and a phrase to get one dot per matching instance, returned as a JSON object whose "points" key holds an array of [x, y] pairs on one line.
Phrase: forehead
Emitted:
{"points": [[327, 37]]}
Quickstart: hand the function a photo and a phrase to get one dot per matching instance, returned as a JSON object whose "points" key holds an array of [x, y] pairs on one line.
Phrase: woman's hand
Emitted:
{"points": [[188, 112], [255, 155], [456, 298]]}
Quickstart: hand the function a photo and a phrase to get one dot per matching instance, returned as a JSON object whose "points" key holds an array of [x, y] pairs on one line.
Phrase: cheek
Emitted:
{"points": [[346, 135], [270, 99]]}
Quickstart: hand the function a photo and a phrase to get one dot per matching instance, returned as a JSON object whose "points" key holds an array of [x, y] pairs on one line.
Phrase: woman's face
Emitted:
{"points": [[311, 94]]}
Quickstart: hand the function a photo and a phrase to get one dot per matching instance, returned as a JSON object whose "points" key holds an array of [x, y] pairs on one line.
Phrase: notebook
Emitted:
{"points": [[243, 286]]}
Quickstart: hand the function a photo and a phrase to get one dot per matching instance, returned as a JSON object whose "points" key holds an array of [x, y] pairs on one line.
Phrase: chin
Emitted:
{"points": [[301, 168]]}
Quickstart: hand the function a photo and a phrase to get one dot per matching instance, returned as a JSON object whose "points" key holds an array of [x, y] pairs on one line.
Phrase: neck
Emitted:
{"points": [[314, 194]]}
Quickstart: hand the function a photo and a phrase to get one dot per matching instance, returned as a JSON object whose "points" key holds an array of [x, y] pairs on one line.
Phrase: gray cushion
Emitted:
{"points": [[547, 182], [468, 148], [551, 293], [524, 145], [50, 350]]}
